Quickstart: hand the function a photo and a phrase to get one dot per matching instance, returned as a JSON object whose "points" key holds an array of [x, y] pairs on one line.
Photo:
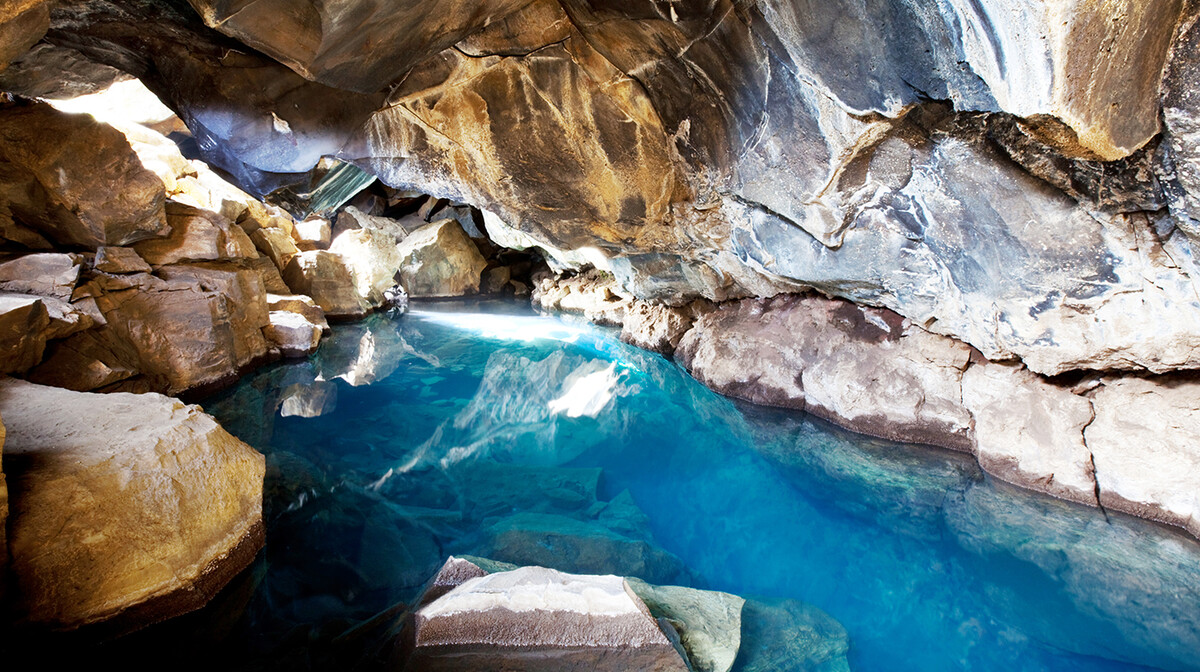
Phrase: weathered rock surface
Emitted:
{"points": [[196, 235], [864, 368], [23, 324], [292, 333], [49, 274], [1143, 442], [539, 619], [709, 623], [120, 260], [3, 516], [22, 24], [439, 260], [131, 532], [327, 278], [373, 259], [76, 181]]}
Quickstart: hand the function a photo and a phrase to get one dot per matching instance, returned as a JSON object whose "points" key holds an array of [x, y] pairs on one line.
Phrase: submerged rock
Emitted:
{"points": [[539, 619], [709, 623], [124, 533], [790, 636]]}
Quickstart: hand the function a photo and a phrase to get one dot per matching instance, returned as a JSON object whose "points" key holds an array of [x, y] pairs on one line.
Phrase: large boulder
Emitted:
{"points": [[533, 618], [22, 24], [373, 259], [75, 180], [125, 509], [327, 278], [23, 325], [439, 260], [196, 235]]}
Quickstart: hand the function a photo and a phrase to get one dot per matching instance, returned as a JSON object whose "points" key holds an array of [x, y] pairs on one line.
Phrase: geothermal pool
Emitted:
{"points": [[488, 430]]}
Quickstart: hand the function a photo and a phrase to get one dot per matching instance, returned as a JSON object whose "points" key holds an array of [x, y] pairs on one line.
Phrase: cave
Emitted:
{"points": [[544, 335]]}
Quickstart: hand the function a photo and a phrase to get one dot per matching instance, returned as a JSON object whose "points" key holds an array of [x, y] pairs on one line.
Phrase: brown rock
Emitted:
{"points": [[197, 235], [439, 260], [22, 24], [23, 324], [46, 274], [76, 181], [276, 244], [3, 517], [534, 618], [312, 234], [120, 260], [327, 279], [373, 259], [128, 532]]}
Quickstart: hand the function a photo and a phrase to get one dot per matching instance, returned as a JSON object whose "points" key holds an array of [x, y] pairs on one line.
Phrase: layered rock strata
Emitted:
{"points": [[127, 533]]}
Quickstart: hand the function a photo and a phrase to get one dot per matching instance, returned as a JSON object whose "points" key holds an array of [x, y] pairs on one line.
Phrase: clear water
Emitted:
{"points": [[484, 429]]}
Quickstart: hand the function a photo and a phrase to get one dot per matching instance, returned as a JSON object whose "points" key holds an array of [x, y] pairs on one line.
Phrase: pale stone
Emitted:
{"points": [[439, 260], [325, 277], [276, 244], [129, 532], [120, 260], [308, 400], [312, 234], [373, 259], [292, 333], [1029, 431], [46, 274], [709, 622], [655, 327], [1143, 441], [197, 235], [299, 304], [540, 619], [353, 218]]}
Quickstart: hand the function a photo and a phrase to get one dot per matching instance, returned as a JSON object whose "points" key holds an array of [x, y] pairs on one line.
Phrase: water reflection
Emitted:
{"points": [[533, 441]]}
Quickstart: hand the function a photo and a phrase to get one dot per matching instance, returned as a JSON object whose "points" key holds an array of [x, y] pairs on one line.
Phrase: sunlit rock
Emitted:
{"points": [[540, 619], [299, 304], [22, 24], [325, 277], [292, 333], [197, 235], [373, 259], [75, 180], [1143, 444], [864, 368], [131, 532], [1029, 431], [276, 244], [439, 260], [1181, 112], [314, 233]]}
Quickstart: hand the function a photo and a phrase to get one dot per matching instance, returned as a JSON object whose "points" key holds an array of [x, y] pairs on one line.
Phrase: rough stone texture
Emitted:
{"points": [[373, 259], [1181, 145], [1029, 431], [791, 635], [592, 293], [299, 304], [120, 260], [127, 532], [533, 618], [276, 244], [22, 24], [292, 333], [23, 324], [325, 277], [709, 623], [863, 368], [196, 235], [312, 234], [3, 517], [49, 274], [1143, 441], [440, 260], [75, 180]]}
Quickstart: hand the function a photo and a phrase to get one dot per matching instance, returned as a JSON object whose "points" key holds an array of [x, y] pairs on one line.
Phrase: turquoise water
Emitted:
{"points": [[484, 429]]}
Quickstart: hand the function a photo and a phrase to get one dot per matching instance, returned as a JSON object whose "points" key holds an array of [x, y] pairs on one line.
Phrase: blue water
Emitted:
{"points": [[485, 429]]}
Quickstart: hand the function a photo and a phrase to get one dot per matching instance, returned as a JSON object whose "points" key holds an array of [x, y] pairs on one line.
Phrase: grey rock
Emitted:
{"points": [[709, 623], [790, 636], [23, 325], [52, 275]]}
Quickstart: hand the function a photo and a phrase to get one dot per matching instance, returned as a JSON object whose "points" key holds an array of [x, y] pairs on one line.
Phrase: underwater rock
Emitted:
{"points": [[534, 618], [76, 180], [709, 623], [126, 533], [790, 636], [439, 260]]}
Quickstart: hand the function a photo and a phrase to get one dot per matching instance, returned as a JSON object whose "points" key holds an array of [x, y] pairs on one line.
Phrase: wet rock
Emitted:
{"points": [[1158, 479], [127, 533], [593, 293], [709, 623], [197, 235], [549, 540], [292, 333], [120, 260], [1030, 432], [23, 325], [862, 368], [75, 180], [439, 260], [327, 279], [790, 636], [539, 619], [49, 274], [373, 260]]}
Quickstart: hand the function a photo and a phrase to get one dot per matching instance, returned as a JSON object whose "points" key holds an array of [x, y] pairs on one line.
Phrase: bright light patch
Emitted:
{"points": [[505, 327], [587, 394]]}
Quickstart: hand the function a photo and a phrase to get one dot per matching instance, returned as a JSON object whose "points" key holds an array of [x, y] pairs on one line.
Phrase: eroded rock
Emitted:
{"points": [[124, 533], [439, 260], [327, 278], [23, 324]]}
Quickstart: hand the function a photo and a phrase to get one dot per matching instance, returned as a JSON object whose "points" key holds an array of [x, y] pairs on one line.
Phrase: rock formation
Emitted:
{"points": [[127, 532]]}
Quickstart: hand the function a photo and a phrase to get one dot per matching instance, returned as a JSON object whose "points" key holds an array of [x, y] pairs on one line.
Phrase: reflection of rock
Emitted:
{"points": [[309, 401], [572, 545], [709, 623], [1131, 587], [361, 354], [790, 636], [1143, 442], [539, 619], [134, 531], [439, 259], [864, 368]]}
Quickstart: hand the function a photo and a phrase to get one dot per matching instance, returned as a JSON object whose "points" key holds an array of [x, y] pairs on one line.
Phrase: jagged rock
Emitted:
{"points": [[276, 244], [327, 278], [1181, 112], [352, 218], [312, 234], [864, 368], [245, 300], [197, 235], [1143, 444], [655, 327], [373, 259], [49, 71], [593, 293], [292, 333], [439, 260], [120, 260], [47, 274], [75, 180], [539, 619], [299, 304], [709, 622], [126, 533], [1029, 431], [23, 325]]}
